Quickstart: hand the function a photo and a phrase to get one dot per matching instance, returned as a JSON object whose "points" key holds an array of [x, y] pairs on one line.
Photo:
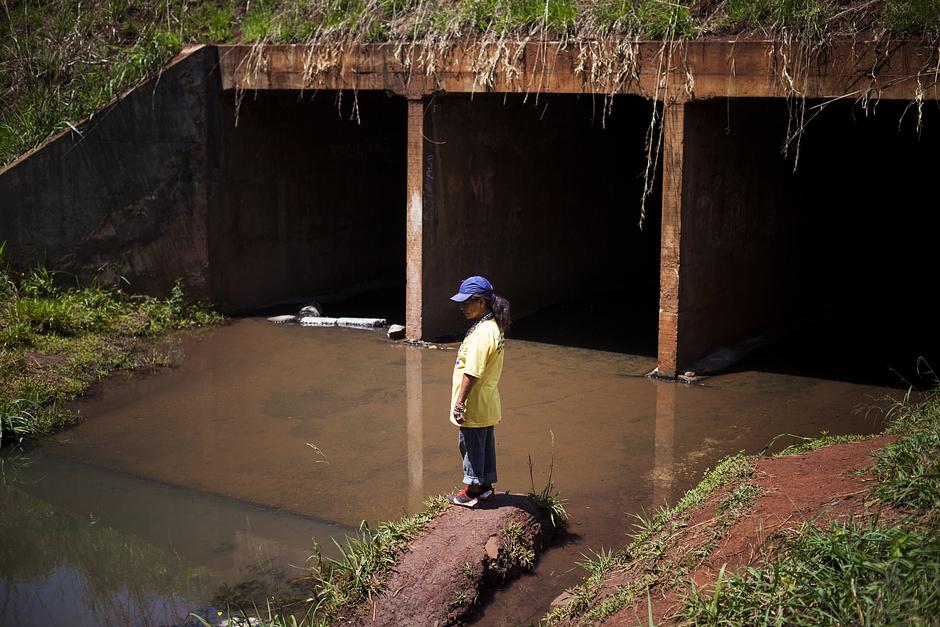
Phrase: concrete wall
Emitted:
{"points": [[535, 195], [128, 197], [305, 200], [743, 218]]}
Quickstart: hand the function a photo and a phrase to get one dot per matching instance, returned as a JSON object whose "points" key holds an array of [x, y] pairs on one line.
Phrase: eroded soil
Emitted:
{"points": [[462, 552], [831, 483]]}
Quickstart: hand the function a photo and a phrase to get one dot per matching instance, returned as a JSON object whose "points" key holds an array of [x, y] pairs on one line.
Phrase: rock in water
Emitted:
{"points": [[396, 332], [313, 310]]}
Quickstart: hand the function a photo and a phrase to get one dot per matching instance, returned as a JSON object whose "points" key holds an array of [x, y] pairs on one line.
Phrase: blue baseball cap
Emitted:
{"points": [[471, 287]]}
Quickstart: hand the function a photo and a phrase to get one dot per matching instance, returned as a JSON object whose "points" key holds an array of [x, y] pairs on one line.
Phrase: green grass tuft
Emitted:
{"points": [[845, 574]]}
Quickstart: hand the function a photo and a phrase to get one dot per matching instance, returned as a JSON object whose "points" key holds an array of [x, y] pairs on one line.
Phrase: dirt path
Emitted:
{"points": [[438, 581]]}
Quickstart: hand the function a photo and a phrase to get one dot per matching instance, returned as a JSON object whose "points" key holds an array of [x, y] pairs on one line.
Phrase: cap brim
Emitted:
{"points": [[459, 298]]}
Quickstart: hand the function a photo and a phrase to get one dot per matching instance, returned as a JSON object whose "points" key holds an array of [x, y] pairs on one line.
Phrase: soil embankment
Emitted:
{"points": [[820, 486], [463, 551]]}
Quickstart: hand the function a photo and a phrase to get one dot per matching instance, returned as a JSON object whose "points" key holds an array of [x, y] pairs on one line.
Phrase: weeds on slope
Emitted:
{"points": [[644, 563], [62, 60], [853, 573], [55, 342]]}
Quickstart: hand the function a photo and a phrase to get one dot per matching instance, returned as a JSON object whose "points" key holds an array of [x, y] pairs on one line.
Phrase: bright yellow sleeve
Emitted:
{"points": [[481, 346]]}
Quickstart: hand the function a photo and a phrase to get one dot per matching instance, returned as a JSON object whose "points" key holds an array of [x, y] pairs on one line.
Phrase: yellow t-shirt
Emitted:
{"points": [[480, 355]]}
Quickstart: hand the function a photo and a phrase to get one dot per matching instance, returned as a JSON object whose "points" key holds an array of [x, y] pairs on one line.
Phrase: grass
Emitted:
{"points": [[338, 585], [518, 552], [811, 444], [857, 572], [844, 574], [55, 341], [62, 60], [655, 537], [548, 499], [367, 558]]}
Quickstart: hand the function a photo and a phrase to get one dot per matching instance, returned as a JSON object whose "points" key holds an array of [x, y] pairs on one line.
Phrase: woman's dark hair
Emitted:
{"points": [[500, 308]]}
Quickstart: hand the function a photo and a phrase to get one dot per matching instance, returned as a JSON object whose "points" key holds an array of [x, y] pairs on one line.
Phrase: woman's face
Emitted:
{"points": [[473, 308]]}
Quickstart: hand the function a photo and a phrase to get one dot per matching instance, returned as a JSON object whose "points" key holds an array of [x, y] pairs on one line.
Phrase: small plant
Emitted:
{"points": [[548, 499], [599, 563], [517, 551], [17, 419], [459, 599], [467, 570], [365, 559]]}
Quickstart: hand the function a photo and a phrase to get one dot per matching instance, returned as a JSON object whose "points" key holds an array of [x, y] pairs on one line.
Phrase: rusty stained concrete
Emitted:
{"points": [[128, 196], [527, 188], [886, 69]]}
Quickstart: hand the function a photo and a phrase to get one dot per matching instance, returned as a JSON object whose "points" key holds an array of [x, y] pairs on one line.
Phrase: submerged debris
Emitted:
{"points": [[286, 319], [312, 316]]}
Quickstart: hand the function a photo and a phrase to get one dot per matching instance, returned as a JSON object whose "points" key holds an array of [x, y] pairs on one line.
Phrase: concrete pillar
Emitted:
{"points": [[414, 227], [734, 215], [673, 146]]}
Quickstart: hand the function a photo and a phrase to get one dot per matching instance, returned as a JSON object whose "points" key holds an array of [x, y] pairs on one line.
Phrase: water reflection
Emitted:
{"points": [[663, 441], [243, 455], [414, 381], [89, 546]]}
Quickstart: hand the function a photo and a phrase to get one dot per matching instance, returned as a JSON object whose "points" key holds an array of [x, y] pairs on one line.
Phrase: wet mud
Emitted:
{"points": [[316, 430]]}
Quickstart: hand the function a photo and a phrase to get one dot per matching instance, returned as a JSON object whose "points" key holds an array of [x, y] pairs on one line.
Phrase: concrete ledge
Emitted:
{"points": [[890, 69]]}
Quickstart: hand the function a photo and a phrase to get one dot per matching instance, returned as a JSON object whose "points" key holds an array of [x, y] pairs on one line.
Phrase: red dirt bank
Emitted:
{"points": [[437, 581], [820, 486]]}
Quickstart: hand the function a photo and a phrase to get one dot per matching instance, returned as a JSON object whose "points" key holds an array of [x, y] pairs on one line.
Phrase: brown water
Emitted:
{"points": [[267, 437]]}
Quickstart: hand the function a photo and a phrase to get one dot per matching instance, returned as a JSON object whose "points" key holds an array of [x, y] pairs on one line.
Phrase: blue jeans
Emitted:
{"points": [[478, 449]]}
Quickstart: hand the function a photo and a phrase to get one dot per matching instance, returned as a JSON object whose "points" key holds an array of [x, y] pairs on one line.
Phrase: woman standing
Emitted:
{"points": [[475, 406]]}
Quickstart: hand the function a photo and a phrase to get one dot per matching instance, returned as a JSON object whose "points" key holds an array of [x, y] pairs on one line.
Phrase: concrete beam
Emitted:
{"points": [[694, 70]]}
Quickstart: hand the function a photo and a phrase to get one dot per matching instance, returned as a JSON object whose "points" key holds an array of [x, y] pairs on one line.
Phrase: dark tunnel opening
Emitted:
{"points": [[542, 195], [308, 203], [865, 235]]}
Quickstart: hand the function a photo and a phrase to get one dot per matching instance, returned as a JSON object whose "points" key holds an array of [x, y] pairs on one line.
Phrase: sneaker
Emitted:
{"points": [[486, 493], [464, 499]]}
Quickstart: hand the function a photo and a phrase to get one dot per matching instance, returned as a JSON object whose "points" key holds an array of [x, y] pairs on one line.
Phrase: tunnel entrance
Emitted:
{"points": [[308, 202], [850, 260], [542, 195]]}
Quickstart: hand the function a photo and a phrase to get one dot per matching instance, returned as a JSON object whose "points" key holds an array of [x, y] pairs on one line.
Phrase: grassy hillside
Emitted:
{"points": [[61, 60]]}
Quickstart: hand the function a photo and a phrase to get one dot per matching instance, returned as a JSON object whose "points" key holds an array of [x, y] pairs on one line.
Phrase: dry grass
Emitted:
{"points": [[64, 59]]}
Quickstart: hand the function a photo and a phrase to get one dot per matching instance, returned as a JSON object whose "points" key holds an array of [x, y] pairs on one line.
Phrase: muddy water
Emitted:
{"points": [[267, 438]]}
